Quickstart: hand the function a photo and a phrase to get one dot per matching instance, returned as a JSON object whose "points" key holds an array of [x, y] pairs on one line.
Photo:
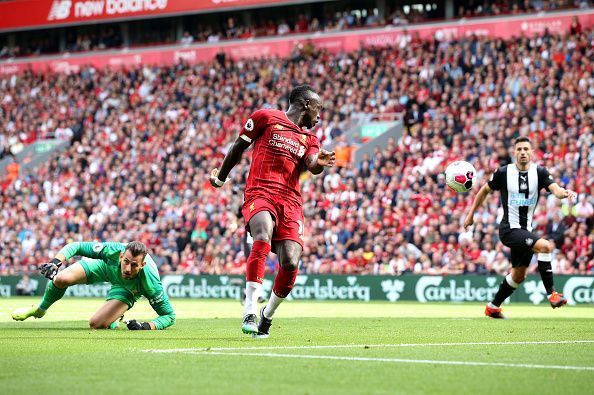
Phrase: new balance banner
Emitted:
{"points": [[20, 14], [424, 289]]}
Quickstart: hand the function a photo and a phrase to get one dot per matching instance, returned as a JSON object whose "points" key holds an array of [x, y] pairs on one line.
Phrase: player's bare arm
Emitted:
{"points": [[562, 193], [219, 176], [478, 201], [315, 163]]}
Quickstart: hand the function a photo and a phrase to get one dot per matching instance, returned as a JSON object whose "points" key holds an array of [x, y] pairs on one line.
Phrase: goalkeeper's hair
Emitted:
{"points": [[137, 248]]}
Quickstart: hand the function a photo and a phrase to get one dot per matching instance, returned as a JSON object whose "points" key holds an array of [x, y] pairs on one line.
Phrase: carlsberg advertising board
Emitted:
{"points": [[424, 289]]}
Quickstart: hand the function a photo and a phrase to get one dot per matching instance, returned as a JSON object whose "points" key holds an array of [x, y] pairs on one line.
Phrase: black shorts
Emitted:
{"points": [[520, 242]]}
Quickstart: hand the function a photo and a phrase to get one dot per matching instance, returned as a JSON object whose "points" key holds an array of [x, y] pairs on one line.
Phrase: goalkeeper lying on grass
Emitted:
{"points": [[128, 267]]}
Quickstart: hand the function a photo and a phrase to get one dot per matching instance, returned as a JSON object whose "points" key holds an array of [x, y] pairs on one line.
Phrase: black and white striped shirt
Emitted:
{"points": [[520, 191]]}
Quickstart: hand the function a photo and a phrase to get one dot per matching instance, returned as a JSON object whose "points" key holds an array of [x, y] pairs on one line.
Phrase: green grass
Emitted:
{"points": [[59, 354]]}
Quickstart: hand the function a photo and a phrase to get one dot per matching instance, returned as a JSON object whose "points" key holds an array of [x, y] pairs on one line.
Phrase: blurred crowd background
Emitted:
{"points": [[142, 143], [277, 21]]}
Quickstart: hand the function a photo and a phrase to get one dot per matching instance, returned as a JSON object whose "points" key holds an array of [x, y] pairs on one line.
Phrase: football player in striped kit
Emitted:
{"points": [[519, 184]]}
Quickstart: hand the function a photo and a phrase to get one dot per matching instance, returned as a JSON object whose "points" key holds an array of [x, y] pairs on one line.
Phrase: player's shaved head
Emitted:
{"points": [[302, 93], [304, 106]]}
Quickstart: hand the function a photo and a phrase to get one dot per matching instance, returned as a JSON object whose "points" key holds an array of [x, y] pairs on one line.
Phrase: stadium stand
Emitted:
{"points": [[212, 28], [144, 140]]}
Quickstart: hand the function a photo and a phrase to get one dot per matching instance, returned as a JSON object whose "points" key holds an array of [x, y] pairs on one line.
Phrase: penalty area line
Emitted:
{"points": [[203, 349], [400, 360]]}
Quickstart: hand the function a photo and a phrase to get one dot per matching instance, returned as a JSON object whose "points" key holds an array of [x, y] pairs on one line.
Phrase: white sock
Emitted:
{"points": [[511, 281], [273, 303], [252, 291]]}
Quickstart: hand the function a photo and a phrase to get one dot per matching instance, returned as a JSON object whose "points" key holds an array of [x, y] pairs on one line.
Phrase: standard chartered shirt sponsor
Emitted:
{"points": [[288, 144]]}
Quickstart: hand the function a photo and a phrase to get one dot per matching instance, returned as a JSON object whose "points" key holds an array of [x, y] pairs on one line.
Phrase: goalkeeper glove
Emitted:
{"points": [[137, 326], [50, 269]]}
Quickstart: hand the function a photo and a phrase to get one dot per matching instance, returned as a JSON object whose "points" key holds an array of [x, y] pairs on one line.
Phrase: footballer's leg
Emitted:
{"points": [[108, 315], [261, 227], [520, 260], [544, 250], [56, 288], [289, 253]]}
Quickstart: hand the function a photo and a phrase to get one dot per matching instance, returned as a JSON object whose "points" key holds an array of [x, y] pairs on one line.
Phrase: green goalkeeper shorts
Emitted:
{"points": [[98, 271]]}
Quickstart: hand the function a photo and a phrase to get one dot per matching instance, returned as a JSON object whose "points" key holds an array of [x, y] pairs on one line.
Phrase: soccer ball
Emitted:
{"points": [[460, 176]]}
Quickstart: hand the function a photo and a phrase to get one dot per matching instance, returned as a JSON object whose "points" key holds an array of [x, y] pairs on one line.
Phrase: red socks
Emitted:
{"points": [[256, 264], [284, 281]]}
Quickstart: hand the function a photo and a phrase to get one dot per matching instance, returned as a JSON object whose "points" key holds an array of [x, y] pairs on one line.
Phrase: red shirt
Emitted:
{"points": [[280, 149]]}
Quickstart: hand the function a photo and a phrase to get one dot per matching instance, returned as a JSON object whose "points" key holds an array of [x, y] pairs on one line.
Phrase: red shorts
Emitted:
{"points": [[288, 216]]}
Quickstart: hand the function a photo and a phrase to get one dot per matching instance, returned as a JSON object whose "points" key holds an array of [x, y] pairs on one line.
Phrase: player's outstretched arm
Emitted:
{"points": [[562, 193], [165, 319], [163, 308], [316, 162], [86, 249], [219, 176], [478, 201], [152, 289]]}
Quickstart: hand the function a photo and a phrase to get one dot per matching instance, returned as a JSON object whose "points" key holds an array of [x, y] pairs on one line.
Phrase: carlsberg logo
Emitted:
{"points": [[89, 290], [326, 289], [201, 289], [579, 290], [431, 289]]}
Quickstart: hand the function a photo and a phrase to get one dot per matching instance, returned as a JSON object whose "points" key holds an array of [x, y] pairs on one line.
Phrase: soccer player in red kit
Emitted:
{"points": [[272, 206]]}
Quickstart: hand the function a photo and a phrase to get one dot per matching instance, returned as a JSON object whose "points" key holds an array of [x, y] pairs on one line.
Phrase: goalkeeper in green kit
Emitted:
{"points": [[128, 267]]}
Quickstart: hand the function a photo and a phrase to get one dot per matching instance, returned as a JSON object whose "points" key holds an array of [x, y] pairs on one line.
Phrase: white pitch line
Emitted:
{"points": [[182, 350], [400, 360]]}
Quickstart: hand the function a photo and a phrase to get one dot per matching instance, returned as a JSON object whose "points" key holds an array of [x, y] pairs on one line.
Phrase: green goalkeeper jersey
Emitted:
{"points": [[147, 283]]}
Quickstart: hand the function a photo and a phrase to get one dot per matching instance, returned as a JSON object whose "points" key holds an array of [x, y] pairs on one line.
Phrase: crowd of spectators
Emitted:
{"points": [[301, 23], [144, 141], [476, 8], [289, 21]]}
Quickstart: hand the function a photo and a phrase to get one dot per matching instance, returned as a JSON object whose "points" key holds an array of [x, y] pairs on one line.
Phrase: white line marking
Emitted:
{"points": [[181, 350], [399, 360]]}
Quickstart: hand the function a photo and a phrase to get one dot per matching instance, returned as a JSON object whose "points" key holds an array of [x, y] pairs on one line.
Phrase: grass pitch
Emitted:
{"points": [[314, 348]]}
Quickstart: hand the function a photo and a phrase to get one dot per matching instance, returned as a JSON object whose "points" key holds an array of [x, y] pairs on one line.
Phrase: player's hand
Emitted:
{"points": [[214, 179], [571, 195], [469, 221], [326, 158], [49, 270], [134, 325]]}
